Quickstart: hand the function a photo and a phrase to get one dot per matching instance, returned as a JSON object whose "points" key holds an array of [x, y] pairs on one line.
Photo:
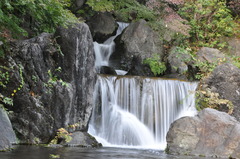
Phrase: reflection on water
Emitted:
{"points": [[39, 152]]}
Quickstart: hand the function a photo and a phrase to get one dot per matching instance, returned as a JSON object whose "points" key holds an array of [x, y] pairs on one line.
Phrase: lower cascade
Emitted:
{"points": [[133, 111]]}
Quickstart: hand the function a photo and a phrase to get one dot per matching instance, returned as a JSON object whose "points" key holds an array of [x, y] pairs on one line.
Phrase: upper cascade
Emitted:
{"points": [[138, 111], [104, 51]]}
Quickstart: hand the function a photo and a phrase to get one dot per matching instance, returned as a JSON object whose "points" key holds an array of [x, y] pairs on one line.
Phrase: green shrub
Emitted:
{"points": [[209, 20], [100, 5], [125, 10], [236, 61], [209, 99], [157, 67], [62, 134], [37, 15], [132, 10]]}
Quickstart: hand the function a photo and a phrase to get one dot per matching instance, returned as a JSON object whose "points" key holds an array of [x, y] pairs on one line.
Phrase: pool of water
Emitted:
{"points": [[40, 152]]}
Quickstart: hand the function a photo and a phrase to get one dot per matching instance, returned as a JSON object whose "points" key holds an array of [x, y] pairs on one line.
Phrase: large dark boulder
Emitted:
{"points": [[225, 80], [137, 41], [55, 87], [7, 135], [210, 133], [102, 26]]}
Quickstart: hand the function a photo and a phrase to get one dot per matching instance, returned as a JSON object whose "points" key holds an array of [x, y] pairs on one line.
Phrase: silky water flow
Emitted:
{"points": [[137, 111], [104, 51], [133, 111]]}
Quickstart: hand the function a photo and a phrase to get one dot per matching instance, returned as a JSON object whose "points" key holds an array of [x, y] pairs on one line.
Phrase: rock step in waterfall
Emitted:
{"points": [[137, 111]]}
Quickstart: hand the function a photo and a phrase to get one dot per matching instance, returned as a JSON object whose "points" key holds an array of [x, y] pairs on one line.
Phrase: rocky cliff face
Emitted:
{"points": [[55, 87]]}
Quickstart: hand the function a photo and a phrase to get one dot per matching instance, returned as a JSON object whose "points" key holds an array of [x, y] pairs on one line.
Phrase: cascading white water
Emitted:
{"points": [[138, 111], [104, 51]]}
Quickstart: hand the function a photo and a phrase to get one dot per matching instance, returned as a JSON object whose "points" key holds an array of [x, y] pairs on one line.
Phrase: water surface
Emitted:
{"points": [[40, 152]]}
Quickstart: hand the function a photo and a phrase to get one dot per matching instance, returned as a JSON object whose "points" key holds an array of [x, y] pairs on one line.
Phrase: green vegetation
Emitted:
{"points": [[4, 81], [157, 67], [208, 99], [236, 61], [54, 156], [62, 134], [210, 20], [101, 5], [126, 10], [53, 79], [5, 100], [37, 15], [205, 68], [4, 76]]}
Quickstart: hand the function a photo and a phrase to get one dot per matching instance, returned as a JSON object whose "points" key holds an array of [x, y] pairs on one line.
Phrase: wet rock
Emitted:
{"points": [[139, 69], [83, 139], [107, 70], [138, 40], [210, 133], [102, 26], [225, 80], [7, 135], [55, 86]]}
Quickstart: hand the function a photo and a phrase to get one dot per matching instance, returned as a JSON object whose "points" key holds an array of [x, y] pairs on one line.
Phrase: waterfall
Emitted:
{"points": [[104, 51], [138, 111], [133, 111]]}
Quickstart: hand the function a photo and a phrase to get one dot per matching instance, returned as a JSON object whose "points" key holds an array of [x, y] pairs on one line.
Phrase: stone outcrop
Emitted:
{"points": [[210, 133], [77, 4], [82, 139], [233, 46], [178, 61], [225, 80], [138, 41], [7, 135], [102, 26], [54, 88], [210, 55]]}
